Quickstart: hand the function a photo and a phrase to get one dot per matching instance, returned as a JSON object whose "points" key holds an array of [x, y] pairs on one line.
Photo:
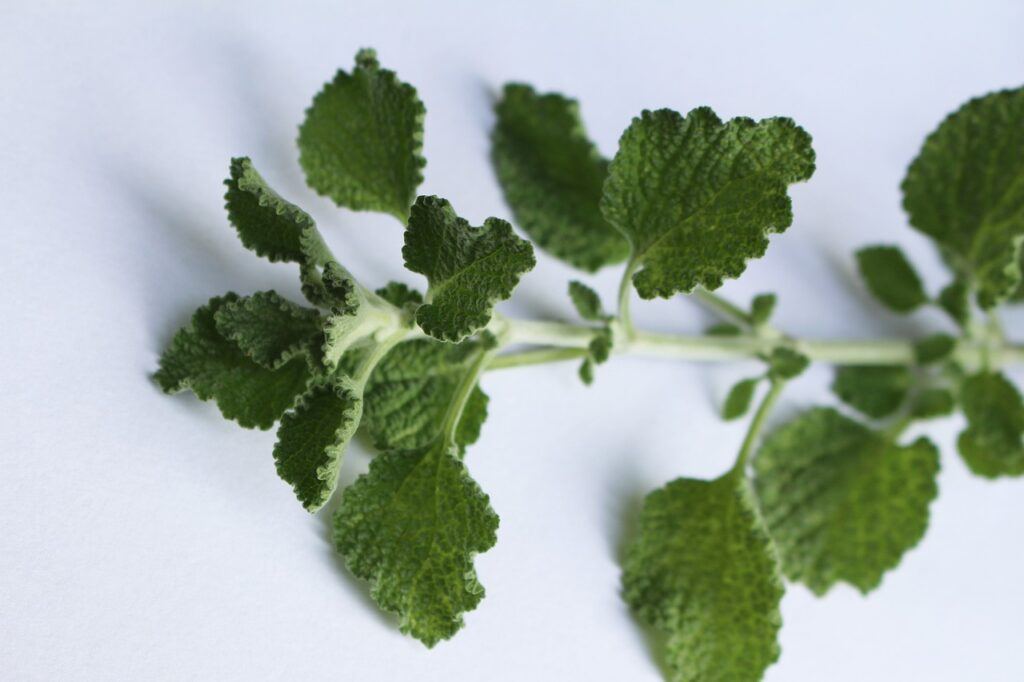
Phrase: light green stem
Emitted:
{"points": [[757, 424], [625, 317], [536, 356], [722, 307], [721, 348]]}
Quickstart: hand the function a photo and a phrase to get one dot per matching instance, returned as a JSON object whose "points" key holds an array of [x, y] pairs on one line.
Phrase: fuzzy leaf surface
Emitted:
{"points": [[587, 302], [842, 502], [362, 139], [891, 278], [200, 359], [411, 526], [697, 198], [702, 569], [267, 224], [991, 443], [469, 269], [965, 190], [411, 390], [552, 177], [312, 438], [269, 329], [738, 401]]}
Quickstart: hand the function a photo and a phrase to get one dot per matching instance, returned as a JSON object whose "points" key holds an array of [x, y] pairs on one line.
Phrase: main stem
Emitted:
{"points": [[721, 348]]}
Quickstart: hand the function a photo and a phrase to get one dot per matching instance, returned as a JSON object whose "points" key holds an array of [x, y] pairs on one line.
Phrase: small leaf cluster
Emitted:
{"points": [[835, 494]]}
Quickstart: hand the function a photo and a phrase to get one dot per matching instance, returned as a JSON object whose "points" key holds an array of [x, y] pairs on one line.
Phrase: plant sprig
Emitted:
{"points": [[687, 200]]}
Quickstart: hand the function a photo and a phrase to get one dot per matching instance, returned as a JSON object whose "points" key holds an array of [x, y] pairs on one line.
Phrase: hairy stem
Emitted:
{"points": [[536, 356], [721, 348], [757, 424], [624, 315], [723, 308]]}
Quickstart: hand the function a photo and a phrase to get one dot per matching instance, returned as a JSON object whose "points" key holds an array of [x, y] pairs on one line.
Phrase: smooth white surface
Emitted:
{"points": [[143, 537]]}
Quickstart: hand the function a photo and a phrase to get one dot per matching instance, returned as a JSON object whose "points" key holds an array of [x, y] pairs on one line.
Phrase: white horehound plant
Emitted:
{"points": [[829, 496]]}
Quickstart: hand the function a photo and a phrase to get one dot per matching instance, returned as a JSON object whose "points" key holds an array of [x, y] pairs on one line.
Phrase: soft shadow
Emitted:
{"points": [[356, 460]]}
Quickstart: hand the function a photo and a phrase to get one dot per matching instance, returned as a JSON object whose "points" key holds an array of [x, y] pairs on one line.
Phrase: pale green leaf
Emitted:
{"points": [[362, 139], [697, 197], [991, 443], [312, 438], [552, 176], [469, 269], [411, 526], [965, 190], [702, 569], [842, 502], [200, 359]]}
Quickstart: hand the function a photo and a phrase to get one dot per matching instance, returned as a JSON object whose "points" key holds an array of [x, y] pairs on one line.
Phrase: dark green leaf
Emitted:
{"points": [[786, 363], [469, 269], [361, 141], [312, 438], [212, 367], [842, 502], [932, 403], [891, 278], [738, 401], [953, 299], [552, 177], [411, 527], [877, 391], [964, 190], [702, 569], [587, 302], [761, 309], [934, 348], [991, 443], [697, 197]]}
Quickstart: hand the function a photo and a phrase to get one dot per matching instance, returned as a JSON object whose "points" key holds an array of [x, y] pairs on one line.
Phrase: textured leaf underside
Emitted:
{"points": [[199, 358], [269, 329], [702, 569], [552, 177], [411, 390], [842, 502], [697, 197], [313, 437]]}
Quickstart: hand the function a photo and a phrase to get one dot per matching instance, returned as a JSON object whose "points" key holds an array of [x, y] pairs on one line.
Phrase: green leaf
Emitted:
{"points": [[932, 403], [761, 309], [738, 401], [266, 223], [877, 391], [269, 329], [697, 197], [953, 299], [934, 348], [598, 351], [552, 177], [587, 302], [410, 391], [400, 295], [199, 358], [991, 443], [362, 140], [841, 502], [702, 569], [964, 190], [891, 278], [411, 527], [586, 371], [312, 438], [723, 329], [786, 363], [468, 269]]}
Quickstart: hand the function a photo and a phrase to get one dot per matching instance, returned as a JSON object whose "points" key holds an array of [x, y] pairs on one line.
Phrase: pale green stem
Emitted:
{"points": [[720, 348], [366, 367], [462, 393], [625, 317], [723, 308], [536, 356], [757, 424]]}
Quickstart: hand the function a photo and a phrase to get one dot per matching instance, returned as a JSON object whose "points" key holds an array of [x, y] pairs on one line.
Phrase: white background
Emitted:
{"points": [[143, 537]]}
